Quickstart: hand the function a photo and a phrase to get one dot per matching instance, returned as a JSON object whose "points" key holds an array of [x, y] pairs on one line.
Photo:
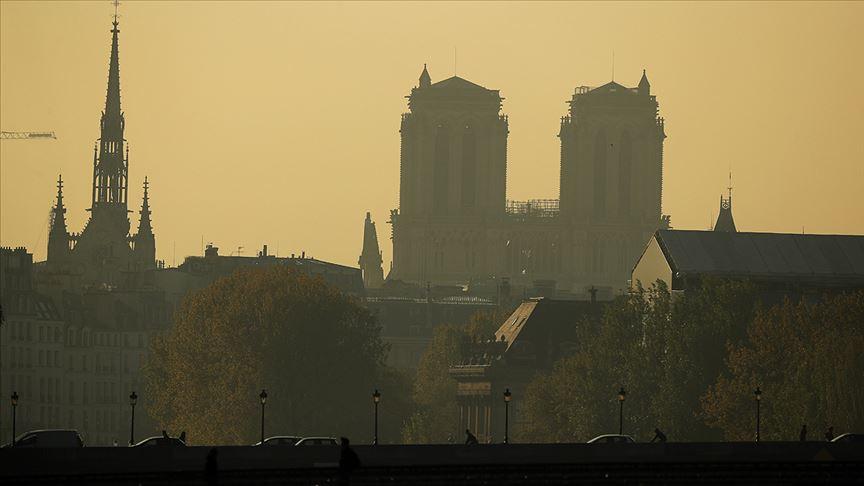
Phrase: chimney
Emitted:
{"points": [[264, 251]]}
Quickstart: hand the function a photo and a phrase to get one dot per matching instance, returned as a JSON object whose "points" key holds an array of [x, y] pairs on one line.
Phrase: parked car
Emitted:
{"points": [[161, 442], [857, 438], [49, 438], [280, 440], [612, 439], [317, 441]]}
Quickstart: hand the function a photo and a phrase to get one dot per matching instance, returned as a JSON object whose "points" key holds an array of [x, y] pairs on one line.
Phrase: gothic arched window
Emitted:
{"points": [[469, 168], [625, 155], [600, 174], [440, 170]]}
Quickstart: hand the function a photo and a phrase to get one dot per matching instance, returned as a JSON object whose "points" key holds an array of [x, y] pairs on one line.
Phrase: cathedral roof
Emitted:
{"points": [[456, 82], [611, 87]]}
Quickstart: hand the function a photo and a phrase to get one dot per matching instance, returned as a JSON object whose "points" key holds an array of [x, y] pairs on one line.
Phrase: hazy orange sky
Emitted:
{"points": [[278, 123]]}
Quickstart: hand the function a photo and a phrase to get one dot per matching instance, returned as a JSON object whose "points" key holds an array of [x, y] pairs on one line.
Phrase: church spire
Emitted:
{"points": [[145, 241], [110, 172], [425, 79], [144, 223], [58, 235], [370, 258]]}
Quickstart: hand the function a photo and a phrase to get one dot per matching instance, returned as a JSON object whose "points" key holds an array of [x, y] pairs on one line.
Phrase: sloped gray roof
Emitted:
{"points": [[764, 255]]}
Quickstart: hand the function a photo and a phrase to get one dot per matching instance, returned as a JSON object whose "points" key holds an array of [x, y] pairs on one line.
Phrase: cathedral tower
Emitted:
{"points": [[453, 170]]}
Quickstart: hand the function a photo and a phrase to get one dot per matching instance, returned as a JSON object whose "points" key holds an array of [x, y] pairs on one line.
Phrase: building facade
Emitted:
{"points": [[454, 224]]}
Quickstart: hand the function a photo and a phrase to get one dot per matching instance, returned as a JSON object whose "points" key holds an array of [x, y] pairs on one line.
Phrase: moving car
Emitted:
{"points": [[49, 438], [161, 441], [280, 440], [317, 441], [857, 438], [612, 439]]}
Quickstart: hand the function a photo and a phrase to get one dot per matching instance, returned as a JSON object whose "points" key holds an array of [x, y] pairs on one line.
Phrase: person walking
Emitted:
{"points": [[348, 462], [470, 439], [659, 436], [829, 434], [802, 436]]}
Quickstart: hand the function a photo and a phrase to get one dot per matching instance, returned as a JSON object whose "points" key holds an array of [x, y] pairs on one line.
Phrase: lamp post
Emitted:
{"points": [[14, 407], [376, 398], [758, 394], [133, 400], [507, 397], [263, 397], [622, 394]]}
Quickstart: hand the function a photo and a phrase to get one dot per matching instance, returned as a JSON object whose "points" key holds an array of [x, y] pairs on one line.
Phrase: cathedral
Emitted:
{"points": [[455, 226], [105, 253]]}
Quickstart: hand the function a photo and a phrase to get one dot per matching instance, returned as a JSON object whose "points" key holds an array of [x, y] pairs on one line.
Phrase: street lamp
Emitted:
{"points": [[758, 394], [376, 397], [622, 394], [263, 397], [14, 407], [507, 397], [133, 400]]}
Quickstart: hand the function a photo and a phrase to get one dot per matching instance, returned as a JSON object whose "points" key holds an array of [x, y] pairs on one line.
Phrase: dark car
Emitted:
{"points": [[161, 442], [612, 439], [49, 438], [317, 441], [280, 440], [856, 438]]}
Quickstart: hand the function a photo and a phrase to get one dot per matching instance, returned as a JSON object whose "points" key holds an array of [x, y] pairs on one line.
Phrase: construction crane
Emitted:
{"points": [[27, 135]]}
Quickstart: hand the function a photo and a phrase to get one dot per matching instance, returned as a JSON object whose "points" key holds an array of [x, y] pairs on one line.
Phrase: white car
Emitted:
{"points": [[612, 439], [317, 441]]}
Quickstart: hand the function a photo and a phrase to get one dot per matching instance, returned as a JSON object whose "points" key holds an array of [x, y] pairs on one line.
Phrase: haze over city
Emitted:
{"points": [[277, 123]]}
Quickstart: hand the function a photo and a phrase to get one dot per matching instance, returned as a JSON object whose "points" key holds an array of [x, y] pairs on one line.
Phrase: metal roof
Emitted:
{"points": [[764, 255]]}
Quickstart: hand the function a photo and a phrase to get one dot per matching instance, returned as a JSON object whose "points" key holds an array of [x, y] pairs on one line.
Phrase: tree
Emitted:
{"points": [[316, 351], [808, 361], [434, 396], [664, 351]]}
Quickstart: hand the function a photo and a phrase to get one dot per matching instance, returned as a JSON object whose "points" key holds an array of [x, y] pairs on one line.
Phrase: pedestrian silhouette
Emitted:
{"points": [[659, 436], [802, 436], [165, 435], [470, 439], [183, 436], [211, 467], [348, 461], [829, 434]]}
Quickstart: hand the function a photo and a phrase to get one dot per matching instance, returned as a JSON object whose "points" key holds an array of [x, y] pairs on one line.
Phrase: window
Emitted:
{"points": [[600, 150], [441, 170]]}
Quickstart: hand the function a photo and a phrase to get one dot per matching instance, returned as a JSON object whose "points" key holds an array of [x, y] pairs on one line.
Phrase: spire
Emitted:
{"points": [[144, 226], [58, 236], [725, 222], [644, 85], [425, 79], [110, 172], [370, 258], [145, 241], [112, 113]]}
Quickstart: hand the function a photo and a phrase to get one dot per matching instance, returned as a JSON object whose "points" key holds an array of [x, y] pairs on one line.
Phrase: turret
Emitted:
{"points": [[370, 258], [425, 79], [644, 87]]}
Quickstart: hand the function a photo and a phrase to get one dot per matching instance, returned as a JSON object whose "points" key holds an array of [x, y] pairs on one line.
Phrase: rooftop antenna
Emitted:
{"points": [[116, 4], [455, 63], [730, 184]]}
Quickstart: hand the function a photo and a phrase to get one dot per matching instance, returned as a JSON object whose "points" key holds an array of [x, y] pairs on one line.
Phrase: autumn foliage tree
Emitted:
{"points": [[317, 352], [435, 417], [665, 352], [808, 360]]}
